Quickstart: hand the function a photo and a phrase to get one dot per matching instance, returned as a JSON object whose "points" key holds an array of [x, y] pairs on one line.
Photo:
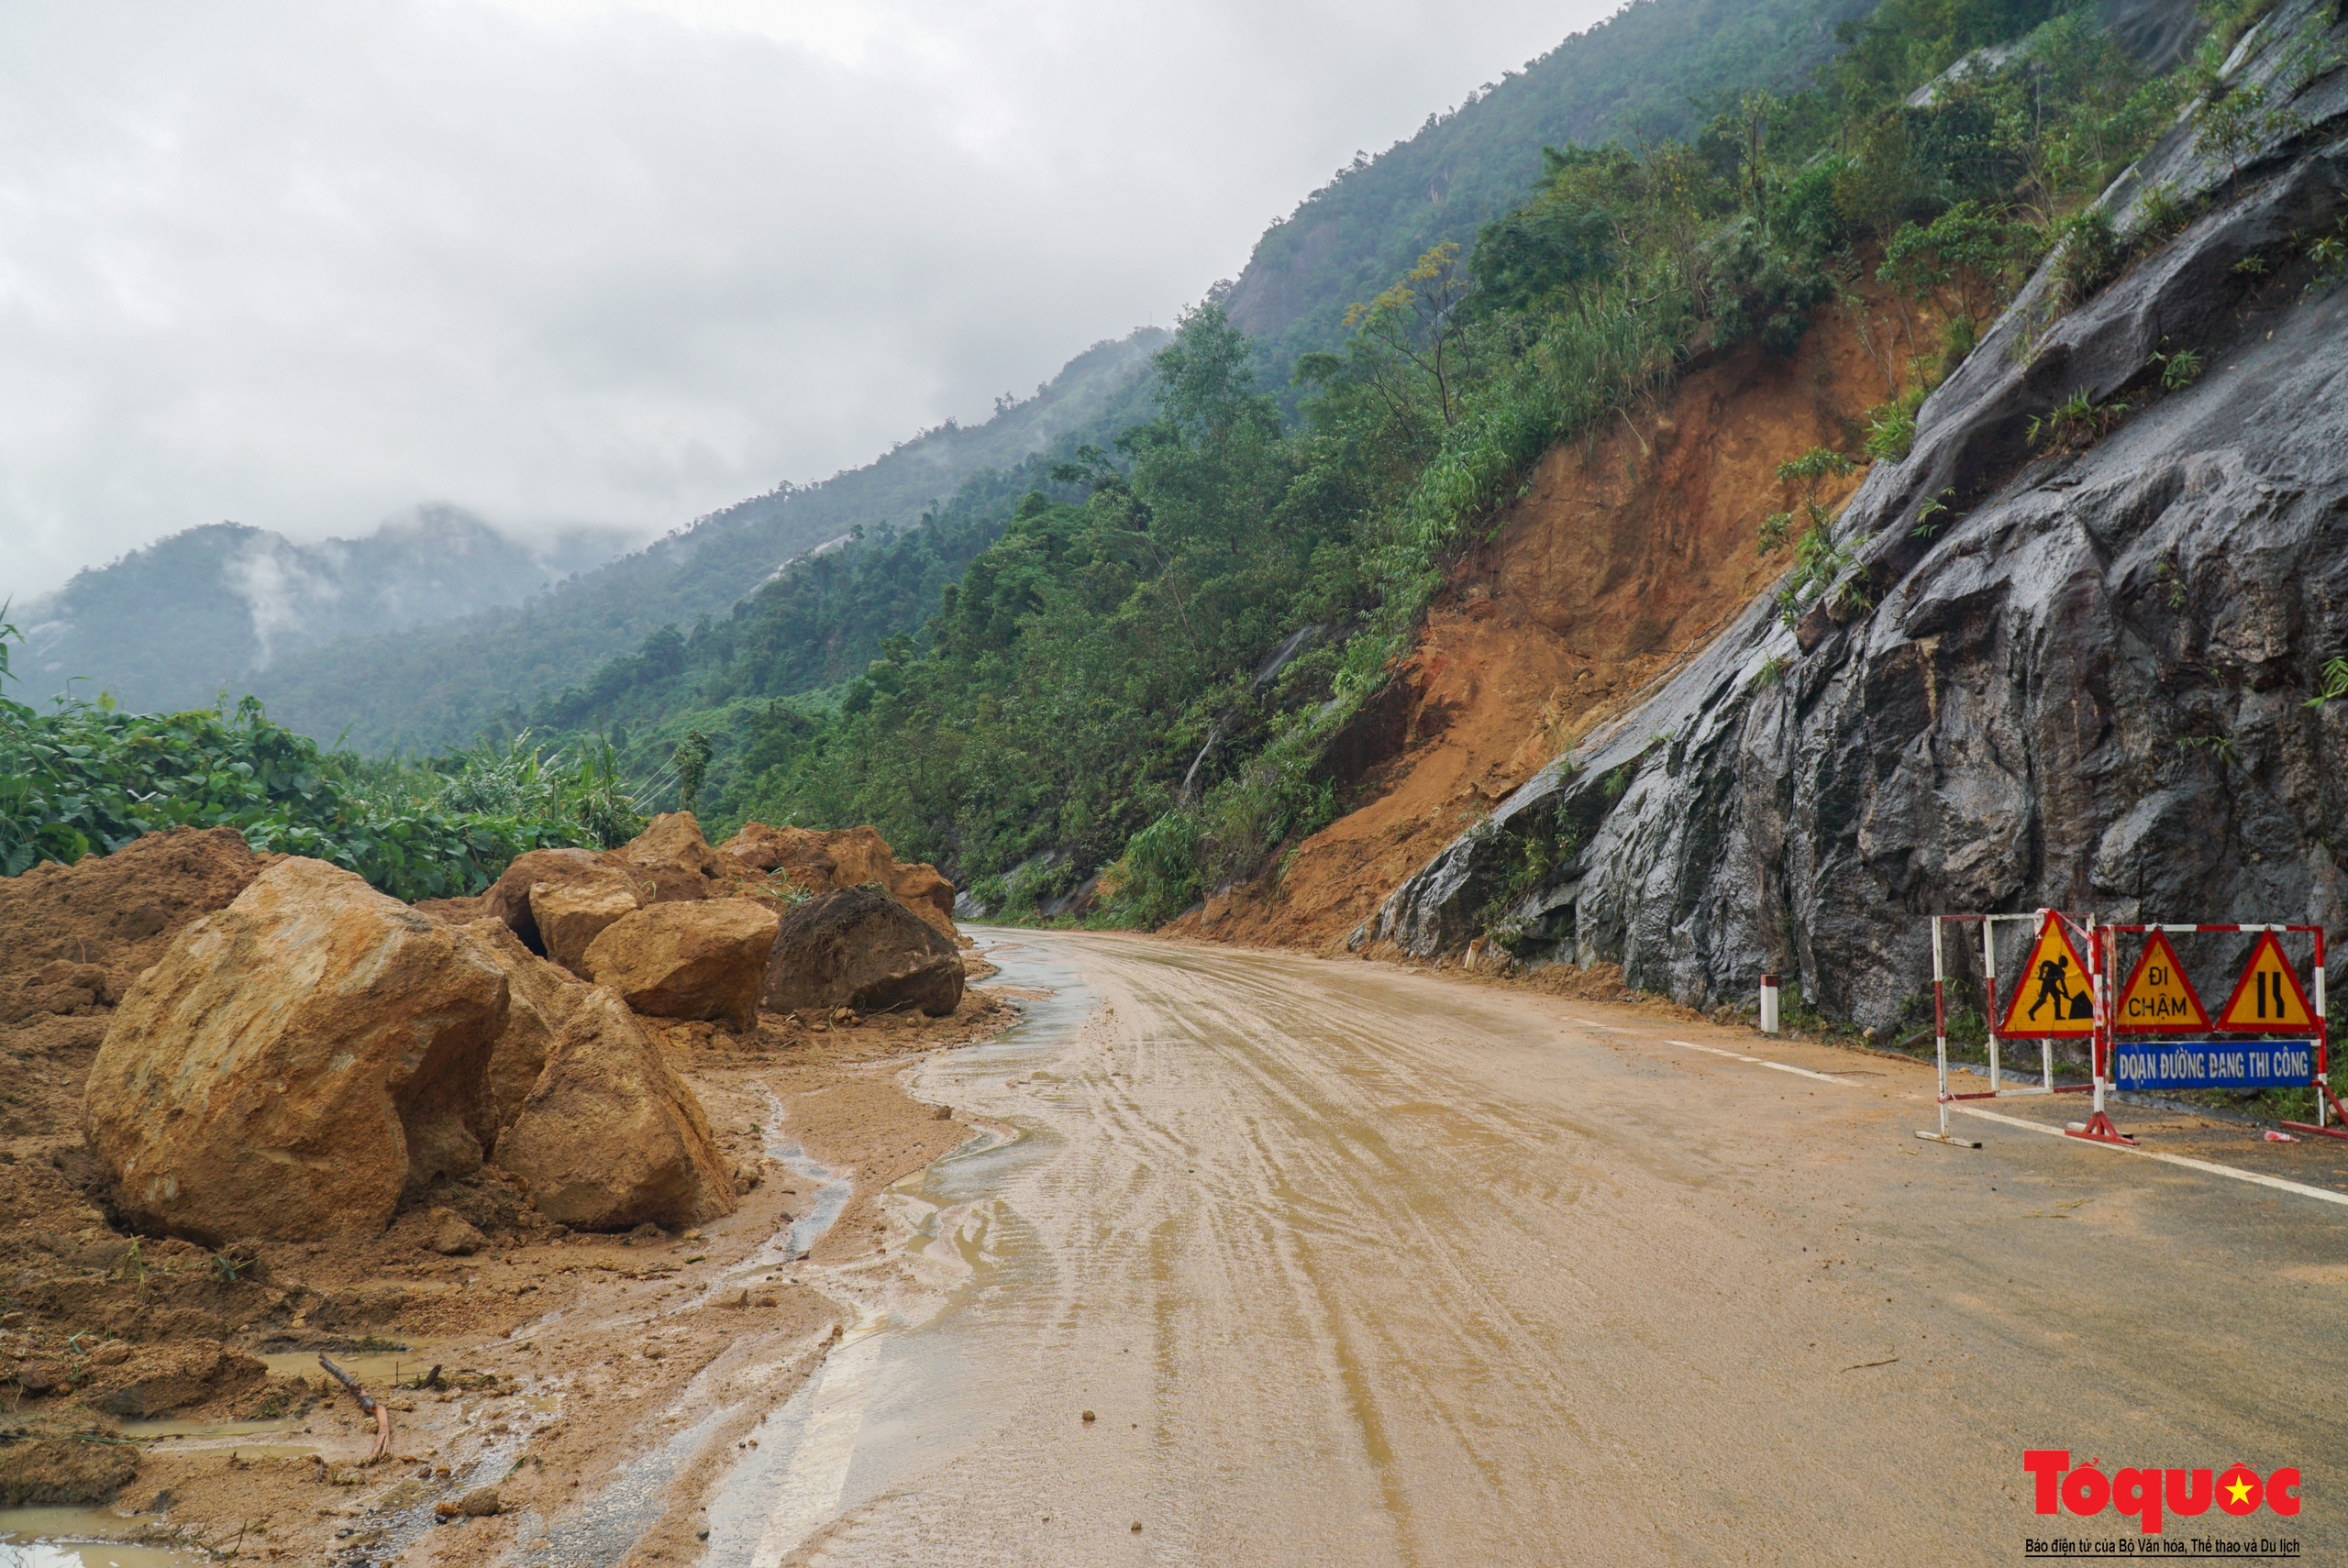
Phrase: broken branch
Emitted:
{"points": [[382, 1412]]}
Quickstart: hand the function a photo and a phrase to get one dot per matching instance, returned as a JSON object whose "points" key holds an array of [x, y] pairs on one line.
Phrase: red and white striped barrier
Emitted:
{"points": [[2157, 1000]]}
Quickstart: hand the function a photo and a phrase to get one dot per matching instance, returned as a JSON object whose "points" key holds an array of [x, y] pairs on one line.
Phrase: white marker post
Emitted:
{"points": [[1940, 1046], [1768, 1004]]}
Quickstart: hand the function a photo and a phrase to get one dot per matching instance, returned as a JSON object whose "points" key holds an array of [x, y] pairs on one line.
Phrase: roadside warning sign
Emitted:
{"points": [[2267, 996], [2158, 998], [2054, 997]]}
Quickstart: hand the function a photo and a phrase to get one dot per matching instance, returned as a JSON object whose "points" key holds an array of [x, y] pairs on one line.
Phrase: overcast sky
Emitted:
{"points": [[306, 265]]}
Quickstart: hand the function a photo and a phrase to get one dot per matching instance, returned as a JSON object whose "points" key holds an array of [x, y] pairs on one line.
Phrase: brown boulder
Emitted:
{"points": [[611, 1137], [862, 949], [674, 838], [921, 889], [508, 897], [571, 913], [676, 860], [694, 960], [295, 1063], [448, 1233], [539, 997], [843, 857]]}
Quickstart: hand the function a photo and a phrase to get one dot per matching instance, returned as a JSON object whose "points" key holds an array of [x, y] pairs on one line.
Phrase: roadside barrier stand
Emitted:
{"points": [[2058, 1006], [1768, 1004], [2098, 1128], [2266, 1001]]}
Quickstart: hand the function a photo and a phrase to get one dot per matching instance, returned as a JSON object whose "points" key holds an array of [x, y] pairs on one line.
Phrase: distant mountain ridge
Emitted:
{"points": [[371, 635], [169, 625], [442, 685]]}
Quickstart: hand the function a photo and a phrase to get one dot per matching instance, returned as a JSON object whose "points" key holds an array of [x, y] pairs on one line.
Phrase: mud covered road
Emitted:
{"points": [[1358, 1265]]}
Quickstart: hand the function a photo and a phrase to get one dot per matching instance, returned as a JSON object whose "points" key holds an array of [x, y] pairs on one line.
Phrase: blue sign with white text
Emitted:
{"points": [[2212, 1064]]}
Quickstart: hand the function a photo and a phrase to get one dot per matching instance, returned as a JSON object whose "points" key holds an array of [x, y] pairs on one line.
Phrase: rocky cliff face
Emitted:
{"points": [[2085, 683]]}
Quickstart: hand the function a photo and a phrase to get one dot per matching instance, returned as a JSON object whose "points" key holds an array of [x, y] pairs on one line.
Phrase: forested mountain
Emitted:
{"points": [[171, 625], [1658, 69], [441, 686], [1158, 667], [478, 660]]}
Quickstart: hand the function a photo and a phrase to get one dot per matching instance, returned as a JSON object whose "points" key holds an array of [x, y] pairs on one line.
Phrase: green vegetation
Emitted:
{"points": [[87, 779], [1653, 73]]}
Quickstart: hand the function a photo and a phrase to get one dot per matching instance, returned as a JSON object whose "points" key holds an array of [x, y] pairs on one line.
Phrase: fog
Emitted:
{"points": [[304, 266]]}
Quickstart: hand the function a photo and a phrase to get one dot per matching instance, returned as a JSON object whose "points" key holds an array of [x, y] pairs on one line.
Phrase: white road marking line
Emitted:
{"points": [[2186, 1161], [2277, 1183], [1763, 1062]]}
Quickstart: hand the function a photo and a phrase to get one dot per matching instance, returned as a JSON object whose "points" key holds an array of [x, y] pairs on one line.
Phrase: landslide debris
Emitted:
{"points": [[688, 960], [820, 863], [273, 996], [295, 1064]]}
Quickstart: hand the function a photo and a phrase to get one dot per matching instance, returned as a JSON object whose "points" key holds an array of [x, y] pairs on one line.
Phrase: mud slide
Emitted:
{"points": [[1292, 1261], [1632, 548]]}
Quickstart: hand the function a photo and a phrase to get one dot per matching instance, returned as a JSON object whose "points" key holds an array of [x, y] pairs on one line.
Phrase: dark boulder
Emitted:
{"points": [[860, 948]]}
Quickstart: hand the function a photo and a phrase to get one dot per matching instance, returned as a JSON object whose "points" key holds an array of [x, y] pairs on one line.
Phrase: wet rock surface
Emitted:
{"points": [[2086, 684], [860, 948]]}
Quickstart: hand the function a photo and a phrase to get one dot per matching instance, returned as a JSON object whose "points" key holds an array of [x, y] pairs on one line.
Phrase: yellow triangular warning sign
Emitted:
{"points": [[2268, 998], [2053, 995], [2158, 998]]}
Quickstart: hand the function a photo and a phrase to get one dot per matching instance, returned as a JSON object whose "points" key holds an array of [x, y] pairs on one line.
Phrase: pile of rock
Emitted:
{"points": [[314, 1056], [303, 1061]]}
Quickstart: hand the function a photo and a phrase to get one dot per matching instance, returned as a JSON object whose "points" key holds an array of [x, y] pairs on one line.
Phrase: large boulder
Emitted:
{"points": [[539, 999], [860, 948], [611, 1137], [688, 960], [295, 1063], [843, 857], [571, 913], [508, 897]]}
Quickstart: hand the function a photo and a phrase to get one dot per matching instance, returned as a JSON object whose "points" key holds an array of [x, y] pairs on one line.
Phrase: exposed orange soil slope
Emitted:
{"points": [[1633, 548]]}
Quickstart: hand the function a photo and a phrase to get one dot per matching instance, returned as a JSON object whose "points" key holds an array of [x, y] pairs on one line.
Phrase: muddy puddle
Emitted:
{"points": [[896, 1398], [75, 1538]]}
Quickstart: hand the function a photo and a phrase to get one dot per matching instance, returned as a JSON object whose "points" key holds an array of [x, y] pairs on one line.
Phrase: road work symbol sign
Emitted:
{"points": [[2267, 996], [2054, 997], [2158, 998]]}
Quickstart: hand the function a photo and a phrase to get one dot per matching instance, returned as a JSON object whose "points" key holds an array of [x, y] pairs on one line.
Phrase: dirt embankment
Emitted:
{"points": [[566, 1354], [1635, 546]]}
